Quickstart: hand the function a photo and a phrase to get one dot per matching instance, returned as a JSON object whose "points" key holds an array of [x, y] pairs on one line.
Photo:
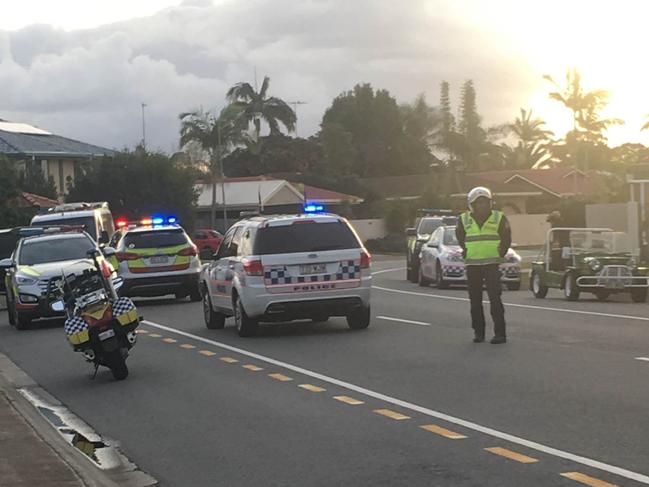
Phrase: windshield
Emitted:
{"points": [[54, 250], [88, 223], [305, 237], [600, 242], [450, 237], [429, 225], [155, 239]]}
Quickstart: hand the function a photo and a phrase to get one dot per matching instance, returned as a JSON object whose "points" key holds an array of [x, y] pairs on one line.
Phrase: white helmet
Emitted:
{"points": [[478, 192]]}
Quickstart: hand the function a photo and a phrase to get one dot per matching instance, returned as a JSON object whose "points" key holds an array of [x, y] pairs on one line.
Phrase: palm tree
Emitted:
{"points": [[217, 136], [256, 106], [533, 141]]}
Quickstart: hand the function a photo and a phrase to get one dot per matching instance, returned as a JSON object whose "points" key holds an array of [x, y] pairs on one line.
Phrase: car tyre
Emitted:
{"points": [[639, 295], [413, 272], [246, 326], [11, 312], [422, 280], [570, 288], [359, 319], [213, 320], [439, 277], [23, 322], [538, 289], [513, 286], [602, 295], [195, 295]]}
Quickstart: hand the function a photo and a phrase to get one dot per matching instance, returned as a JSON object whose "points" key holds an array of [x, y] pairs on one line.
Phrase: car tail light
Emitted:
{"points": [[366, 259], [253, 267], [189, 251], [122, 256]]}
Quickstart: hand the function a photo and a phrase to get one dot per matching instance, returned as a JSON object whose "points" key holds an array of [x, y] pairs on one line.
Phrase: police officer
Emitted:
{"points": [[485, 237]]}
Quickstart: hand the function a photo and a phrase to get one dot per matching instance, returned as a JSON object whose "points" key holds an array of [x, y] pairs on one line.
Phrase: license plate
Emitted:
{"points": [[159, 259], [105, 335], [313, 268]]}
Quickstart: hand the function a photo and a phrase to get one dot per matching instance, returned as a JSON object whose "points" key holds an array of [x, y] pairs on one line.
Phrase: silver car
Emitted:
{"points": [[284, 268]]}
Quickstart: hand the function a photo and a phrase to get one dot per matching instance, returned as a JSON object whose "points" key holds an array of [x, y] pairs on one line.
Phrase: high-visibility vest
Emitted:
{"points": [[482, 243]]}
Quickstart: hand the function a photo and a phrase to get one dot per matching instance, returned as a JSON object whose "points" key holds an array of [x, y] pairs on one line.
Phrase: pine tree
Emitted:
{"points": [[469, 127], [447, 119]]}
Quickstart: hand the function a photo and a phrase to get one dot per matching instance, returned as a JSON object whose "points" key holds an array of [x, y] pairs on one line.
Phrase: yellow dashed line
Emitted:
{"points": [[433, 428], [348, 400], [169, 340], [279, 377], [187, 346], [229, 360], [391, 414], [254, 368], [512, 455], [155, 335], [207, 353], [142, 331], [312, 388], [587, 480]]}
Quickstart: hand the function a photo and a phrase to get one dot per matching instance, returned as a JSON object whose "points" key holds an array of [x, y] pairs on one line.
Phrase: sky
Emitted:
{"points": [[83, 68]]}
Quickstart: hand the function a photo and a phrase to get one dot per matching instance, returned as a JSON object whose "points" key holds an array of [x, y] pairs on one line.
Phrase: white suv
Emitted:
{"points": [[282, 268]]}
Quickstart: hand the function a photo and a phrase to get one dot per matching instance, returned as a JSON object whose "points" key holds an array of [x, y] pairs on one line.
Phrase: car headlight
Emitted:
{"points": [[595, 265], [28, 298], [25, 280]]}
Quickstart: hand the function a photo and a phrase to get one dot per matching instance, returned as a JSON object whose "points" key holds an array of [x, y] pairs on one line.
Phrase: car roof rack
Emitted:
{"points": [[79, 206], [435, 212]]}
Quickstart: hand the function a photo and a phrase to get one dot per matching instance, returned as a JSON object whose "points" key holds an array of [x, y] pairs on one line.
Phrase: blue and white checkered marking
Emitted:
{"points": [[347, 270], [74, 325], [122, 305]]}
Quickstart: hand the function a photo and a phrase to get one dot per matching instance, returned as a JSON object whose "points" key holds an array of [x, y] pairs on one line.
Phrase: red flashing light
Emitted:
{"points": [[121, 222], [253, 267]]}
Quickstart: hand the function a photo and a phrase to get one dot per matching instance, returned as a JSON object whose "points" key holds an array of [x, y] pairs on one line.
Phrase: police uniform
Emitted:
{"points": [[484, 245]]}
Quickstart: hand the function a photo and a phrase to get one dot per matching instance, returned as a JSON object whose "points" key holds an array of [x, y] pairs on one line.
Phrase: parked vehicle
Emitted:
{"points": [[95, 218], [283, 268], [99, 324], [35, 267], [8, 241], [416, 237], [207, 241], [595, 260], [442, 263]]}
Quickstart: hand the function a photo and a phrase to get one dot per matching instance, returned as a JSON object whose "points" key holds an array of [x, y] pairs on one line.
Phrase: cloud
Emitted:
{"points": [[89, 84]]}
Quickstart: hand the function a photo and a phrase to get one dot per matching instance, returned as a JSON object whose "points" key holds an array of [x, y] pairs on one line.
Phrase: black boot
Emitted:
{"points": [[478, 337], [498, 340]]}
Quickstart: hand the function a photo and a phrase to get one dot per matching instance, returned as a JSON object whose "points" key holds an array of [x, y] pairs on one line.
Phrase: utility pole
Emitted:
{"points": [[295, 104], [143, 128]]}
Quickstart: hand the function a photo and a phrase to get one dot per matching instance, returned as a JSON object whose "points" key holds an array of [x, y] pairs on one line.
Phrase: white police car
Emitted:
{"points": [[288, 267]]}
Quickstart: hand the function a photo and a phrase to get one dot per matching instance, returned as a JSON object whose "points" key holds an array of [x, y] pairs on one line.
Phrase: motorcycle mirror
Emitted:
{"points": [[6, 264], [58, 306]]}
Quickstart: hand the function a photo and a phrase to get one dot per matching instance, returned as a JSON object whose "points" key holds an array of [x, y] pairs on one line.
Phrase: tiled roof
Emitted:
{"points": [[322, 195], [37, 200], [13, 143]]}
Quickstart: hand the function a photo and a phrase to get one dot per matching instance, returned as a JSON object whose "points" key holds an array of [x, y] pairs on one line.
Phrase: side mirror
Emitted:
{"points": [[6, 264], [108, 251], [411, 232], [58, 306], [565, 252]]}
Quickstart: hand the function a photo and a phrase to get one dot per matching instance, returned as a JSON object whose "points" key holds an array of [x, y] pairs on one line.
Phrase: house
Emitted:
{"points": [[263, 193], [35, 149], [34, 201], [532, 190]]}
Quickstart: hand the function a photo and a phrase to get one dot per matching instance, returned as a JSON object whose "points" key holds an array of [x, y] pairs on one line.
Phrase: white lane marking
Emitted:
{"points": [[516, 305], [622, 472], [389, 270], [644, 359], [401, 320]]}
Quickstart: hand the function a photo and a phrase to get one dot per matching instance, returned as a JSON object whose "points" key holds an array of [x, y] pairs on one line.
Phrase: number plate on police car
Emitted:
{"points": [[159, 259], [313, 268], [105, 335]]}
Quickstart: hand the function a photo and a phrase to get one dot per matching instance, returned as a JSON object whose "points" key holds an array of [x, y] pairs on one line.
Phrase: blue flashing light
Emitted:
{"points": [[157, 220], [313, 208], [172, 220]]}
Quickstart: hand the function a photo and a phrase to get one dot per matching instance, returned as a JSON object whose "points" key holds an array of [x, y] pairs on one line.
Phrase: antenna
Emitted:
{"points": [[295, 104]]}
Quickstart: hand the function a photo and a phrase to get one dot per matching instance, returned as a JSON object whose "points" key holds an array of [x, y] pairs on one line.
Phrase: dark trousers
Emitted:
{"points": [[490, 275]]}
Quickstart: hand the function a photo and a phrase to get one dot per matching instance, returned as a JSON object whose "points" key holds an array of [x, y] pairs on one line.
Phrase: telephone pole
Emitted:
{"points": [[143, 128]]}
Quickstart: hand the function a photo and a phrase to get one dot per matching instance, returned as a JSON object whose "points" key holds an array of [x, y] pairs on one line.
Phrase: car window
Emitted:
{"points": [[225, 245], [155, 238], [54, 250], [88, 222], [305, 237], [236, 242], [200, 235], [247, 239], [449, 237], [114, 241], [429, 225]]}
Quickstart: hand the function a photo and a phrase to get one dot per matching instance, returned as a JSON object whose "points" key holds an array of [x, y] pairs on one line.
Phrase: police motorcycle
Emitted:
{"points": [[99, 324]]}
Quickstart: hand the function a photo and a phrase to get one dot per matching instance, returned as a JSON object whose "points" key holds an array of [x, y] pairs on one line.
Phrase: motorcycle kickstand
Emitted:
{"points": [[95, 373]]}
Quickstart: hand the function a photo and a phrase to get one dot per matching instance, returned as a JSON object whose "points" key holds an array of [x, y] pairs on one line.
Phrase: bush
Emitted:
{"points": [[392, 243]]}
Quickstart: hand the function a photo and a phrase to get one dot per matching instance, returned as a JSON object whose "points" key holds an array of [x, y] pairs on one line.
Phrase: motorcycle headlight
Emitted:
{"points": [[26, 280], [595, 265]]}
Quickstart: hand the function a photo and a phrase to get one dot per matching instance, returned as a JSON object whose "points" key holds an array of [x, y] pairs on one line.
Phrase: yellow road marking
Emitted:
{"points": [[433, 428], [207, 353], [348, 400], [312, 388], [585, 479], [187, 346], [229, 360], [391, 414], [279, 377], [512, 455], [169, 340], [254, 368], [143, 331], [155, 335]]}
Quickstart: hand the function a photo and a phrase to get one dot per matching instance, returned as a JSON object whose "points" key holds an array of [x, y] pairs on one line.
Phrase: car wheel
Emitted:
{"points": [[22, 321], [570, 288], [422, 280], [246, 326], [439, 277], [602, 295], [11, 311], [639, 295], [213, 320], [513, 286], [414, 272], [538, 289], [359, 319], [195, 294]]}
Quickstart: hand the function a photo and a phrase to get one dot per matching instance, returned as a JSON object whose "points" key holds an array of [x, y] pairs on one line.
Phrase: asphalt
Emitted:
{"points": [[567, 383]]}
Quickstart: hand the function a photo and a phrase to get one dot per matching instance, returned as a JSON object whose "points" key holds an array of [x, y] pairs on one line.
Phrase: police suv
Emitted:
{"points": [[288, 267]]}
